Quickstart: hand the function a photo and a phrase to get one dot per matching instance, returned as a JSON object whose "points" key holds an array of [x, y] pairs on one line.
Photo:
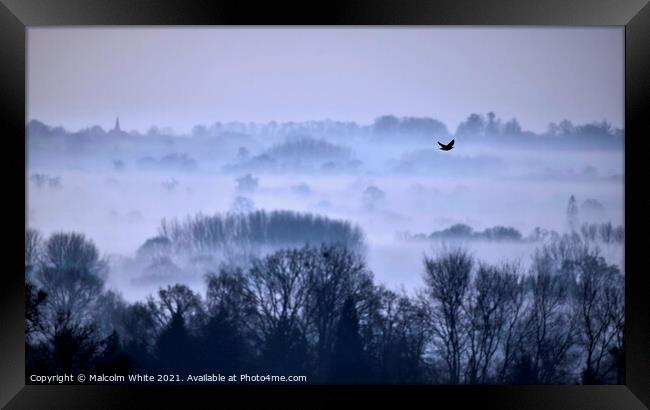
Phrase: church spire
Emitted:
{"points": [[117, 124]]}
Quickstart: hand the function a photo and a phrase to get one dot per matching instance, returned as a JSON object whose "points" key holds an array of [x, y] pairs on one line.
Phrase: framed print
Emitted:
{"points": [[369, 200]]}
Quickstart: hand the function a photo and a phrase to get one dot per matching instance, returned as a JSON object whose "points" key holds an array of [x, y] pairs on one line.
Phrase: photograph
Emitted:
{"points": [[342, 205]]}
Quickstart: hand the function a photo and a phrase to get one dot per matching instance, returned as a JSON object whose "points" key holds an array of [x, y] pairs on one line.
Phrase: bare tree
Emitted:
{"points": [[139, 330], [597, 307], [72, 346], [279, 283], [228, 292], [335, 274], [178, 300], [33, 249], [229, 296], [550, 328], [401, 334], [72, 274], [515, 310], [447, 280], [492, 309]]}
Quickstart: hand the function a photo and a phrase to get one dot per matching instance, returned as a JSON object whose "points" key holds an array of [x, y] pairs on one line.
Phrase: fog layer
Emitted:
{"points": [[388, 179]]}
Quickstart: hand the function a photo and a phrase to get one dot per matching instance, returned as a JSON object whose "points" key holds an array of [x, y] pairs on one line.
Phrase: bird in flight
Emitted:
{"points": [[446, 147]]}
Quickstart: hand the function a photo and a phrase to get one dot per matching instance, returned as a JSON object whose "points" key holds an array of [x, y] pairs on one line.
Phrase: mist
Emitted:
{"points": [[389, 181]]}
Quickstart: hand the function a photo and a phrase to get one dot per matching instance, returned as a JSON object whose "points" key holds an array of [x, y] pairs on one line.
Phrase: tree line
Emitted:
{"points": [[277, 228], [476, 124], [316, 310], [604, 232]]}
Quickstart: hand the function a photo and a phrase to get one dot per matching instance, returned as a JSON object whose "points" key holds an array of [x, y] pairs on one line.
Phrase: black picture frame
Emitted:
{"points": [[18, 15]]}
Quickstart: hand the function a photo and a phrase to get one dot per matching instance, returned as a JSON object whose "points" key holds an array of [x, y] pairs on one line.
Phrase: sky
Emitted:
{"points": [[181, 77]]}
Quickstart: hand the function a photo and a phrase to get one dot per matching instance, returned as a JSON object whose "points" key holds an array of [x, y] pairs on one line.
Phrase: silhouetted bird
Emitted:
{"points": [[446, 147]]}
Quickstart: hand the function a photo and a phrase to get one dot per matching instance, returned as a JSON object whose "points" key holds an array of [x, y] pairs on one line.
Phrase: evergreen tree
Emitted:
{"points": [[348, 360], [174, 346], [223, 349], [285, 351]]}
